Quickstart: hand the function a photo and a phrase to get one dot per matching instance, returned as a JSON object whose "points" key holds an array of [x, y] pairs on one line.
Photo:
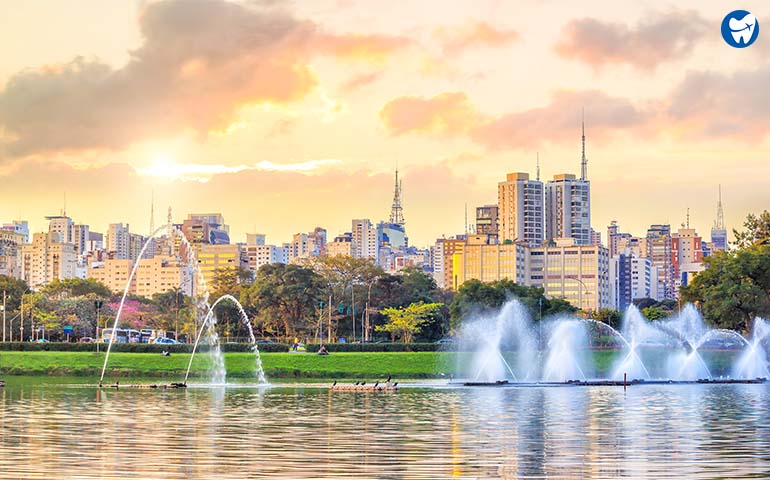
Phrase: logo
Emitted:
{"points": [[740, 28]]}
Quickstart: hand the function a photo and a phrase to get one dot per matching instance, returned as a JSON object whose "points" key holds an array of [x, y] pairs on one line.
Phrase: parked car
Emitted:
{"points": [[265, 342], [86, 340], [445, 341], [166, 341]]}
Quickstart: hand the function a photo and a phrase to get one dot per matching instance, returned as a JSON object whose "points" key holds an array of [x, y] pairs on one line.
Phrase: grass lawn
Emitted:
{"points": [[239, 365]]}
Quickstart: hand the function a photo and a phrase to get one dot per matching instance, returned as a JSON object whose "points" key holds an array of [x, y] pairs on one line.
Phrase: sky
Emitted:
{"points": [[284, 116]]}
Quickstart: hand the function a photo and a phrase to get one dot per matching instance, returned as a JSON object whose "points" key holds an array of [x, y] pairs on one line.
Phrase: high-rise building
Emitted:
{"points": [[207, 228], [443, 252], [486, 220], [117, 240], [258, 253], [213, 257], [62, 226], [568, 204], [135, 245], [520, 209], [365, 243], [658, 248], [18, 226], [10, 253], [568, 209], [620, 281], [487, 261], [644, 278], [47, 259], [614, 237], [80, 237], [580, 274], [341, 246], [718, 231], [153, 275]]}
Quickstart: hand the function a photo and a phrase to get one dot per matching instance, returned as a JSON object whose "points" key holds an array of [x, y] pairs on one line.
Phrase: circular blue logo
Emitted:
{"points": [[740, 28]]}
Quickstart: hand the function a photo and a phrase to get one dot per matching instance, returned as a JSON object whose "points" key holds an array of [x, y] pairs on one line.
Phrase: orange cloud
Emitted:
{"points": [[199, 63], [445, 114], [361, 47], [457, 39], [662, 38]]}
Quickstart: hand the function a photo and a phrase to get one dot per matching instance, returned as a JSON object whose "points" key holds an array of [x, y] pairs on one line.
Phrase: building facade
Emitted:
{"points": [[520, 209], [568, 209]]}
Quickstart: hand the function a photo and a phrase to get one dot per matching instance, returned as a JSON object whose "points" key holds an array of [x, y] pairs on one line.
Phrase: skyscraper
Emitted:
{"points": [[520, 209], [658, 248], [365, 239], [718, 231]]}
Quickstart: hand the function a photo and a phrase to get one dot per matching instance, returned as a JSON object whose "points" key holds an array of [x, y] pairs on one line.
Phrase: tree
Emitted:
{"points": [[405, 322], [14, 289], [734, 288], [284, 298], [476, 297], [75, 287], [757, 231], [609, 316]]}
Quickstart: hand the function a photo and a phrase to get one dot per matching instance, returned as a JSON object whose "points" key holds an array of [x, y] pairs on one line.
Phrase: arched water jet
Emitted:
{"points": [[566, 341], [260, 374], [753, 361], [171, 231]]}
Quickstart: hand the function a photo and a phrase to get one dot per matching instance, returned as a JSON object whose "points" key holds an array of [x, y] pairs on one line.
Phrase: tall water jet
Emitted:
{"points": [[492, 340], [753, 361], [259, 371], [635, 330], [688, 326], [567, 344]]}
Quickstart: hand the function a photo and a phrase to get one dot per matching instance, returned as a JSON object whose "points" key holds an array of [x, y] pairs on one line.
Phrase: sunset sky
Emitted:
{"points": [[288, 115]]}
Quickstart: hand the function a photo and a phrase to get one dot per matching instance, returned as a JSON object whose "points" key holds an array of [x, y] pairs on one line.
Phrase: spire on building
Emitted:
{"points": [[719, 224], [64, 208], [688, 218], [583, 160], [538, 166], [396, 211], [170, 219], [152, 212]]}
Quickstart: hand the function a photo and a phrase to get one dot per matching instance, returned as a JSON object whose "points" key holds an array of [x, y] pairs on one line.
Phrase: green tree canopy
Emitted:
{"points": [[75, 287], [285, 298], [14, 289], [403, 323], [475, 296], [757, 231]]}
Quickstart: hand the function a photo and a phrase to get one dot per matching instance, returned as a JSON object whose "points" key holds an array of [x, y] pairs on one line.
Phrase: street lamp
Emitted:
{"points": [[580, 292]]}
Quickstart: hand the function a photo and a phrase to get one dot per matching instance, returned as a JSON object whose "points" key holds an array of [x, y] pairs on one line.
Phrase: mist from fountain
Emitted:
{"points": [[753, 361], [489, 338], [566, 359]]}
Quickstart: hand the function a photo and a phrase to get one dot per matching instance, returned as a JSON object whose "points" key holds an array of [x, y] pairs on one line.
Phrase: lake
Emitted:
{"points": [[50, 429]]}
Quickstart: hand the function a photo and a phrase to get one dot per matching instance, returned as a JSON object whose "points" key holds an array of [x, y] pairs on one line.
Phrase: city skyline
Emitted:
{"points": [[305, 126]]}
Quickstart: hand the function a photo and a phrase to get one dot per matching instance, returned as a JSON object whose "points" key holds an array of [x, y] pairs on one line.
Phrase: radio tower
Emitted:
{"points": [[396, 211], [583, 159]]}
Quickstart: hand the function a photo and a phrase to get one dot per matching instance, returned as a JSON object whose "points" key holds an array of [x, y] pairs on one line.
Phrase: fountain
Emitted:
{"points": [[681, 348], [753, 361], [202, 308], [208, 322], [489, 338]]}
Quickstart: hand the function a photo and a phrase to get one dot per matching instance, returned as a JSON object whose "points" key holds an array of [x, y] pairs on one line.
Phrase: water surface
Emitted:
{"points": [[52, 430]]}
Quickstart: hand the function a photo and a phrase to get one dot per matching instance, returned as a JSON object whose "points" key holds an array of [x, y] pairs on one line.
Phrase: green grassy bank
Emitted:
{"points": [[239, 365], [353, 365]]}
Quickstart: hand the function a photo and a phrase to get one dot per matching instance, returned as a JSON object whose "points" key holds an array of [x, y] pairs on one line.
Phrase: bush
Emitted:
{"points": [[135, 347], [379, 347]]}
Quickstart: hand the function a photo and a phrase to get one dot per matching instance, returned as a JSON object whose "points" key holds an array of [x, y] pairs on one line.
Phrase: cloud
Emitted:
{"points": [[452, 114], [198, 64], [560, 120], [662, 38], [444, 115], [708, 104], [457, 39], [201, 172], [362, 80]]}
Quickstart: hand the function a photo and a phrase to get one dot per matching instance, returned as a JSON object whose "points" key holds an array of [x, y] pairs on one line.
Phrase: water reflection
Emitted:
{"points": [[651, 431]]}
